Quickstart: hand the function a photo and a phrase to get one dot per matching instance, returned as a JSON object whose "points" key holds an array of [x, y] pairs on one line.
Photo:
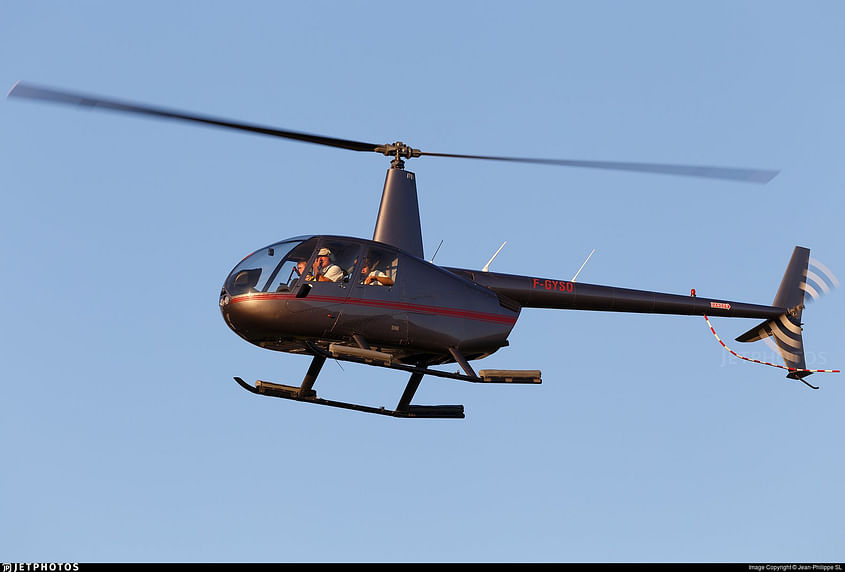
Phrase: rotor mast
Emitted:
{"points": [[398, 221]]}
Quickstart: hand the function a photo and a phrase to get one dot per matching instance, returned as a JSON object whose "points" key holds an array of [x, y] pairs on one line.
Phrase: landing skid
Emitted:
{"points": [[291, 392], [404, 408]]}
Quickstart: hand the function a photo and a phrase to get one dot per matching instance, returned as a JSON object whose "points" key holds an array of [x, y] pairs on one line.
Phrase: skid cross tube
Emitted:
{"points": [[311, 374], [410, 390]]}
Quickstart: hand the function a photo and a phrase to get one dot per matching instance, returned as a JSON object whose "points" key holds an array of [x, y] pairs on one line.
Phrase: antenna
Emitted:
{"points": [[582, 267], [435, 252], [487, 266]]}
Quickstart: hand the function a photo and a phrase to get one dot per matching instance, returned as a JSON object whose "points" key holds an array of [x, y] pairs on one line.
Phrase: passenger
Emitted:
{"points": [[300, 267], [323, 269], [372, 276]]}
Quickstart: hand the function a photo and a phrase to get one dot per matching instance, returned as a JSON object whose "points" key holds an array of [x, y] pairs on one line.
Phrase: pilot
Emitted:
{"points": [[323, 269], [372, 276]]}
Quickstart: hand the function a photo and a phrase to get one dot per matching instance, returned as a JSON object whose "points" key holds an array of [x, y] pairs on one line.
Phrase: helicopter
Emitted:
{"points": [[379, 302]]}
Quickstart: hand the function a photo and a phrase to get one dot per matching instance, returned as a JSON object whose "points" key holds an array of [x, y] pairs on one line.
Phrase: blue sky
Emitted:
{"points": [[123, 436]]}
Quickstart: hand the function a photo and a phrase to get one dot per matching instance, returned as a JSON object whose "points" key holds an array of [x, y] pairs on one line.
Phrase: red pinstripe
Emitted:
{"points": [[402, 306]]}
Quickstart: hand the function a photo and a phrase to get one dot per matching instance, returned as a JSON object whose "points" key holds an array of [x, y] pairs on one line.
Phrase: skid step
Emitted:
{"points": [[310, 396], [341, 351], [274, 389], [510, 375]]}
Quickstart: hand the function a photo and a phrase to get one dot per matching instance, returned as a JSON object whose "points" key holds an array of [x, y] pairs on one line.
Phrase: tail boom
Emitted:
{"points": [[534, 292]]}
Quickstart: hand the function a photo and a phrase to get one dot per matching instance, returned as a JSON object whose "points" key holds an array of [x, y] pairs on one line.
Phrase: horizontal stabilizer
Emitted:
{"points": [[787, 338], [758, 332]]}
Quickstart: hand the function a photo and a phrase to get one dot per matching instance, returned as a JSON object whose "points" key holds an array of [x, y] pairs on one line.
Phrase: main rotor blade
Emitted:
{"points": [[28, 91], [729, 173]]}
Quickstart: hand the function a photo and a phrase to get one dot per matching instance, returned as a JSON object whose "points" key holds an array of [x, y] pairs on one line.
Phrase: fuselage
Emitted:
{"points": [[280, 297]]}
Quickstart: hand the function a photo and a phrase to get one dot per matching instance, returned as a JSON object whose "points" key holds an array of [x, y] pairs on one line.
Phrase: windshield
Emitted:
{"points": [[270, 269]]}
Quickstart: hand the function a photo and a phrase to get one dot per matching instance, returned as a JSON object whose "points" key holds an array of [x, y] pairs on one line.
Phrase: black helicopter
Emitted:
{"points": [[379, 302]]}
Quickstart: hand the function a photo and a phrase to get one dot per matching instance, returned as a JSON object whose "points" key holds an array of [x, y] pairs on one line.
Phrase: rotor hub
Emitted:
{"points": [[398, 151]]}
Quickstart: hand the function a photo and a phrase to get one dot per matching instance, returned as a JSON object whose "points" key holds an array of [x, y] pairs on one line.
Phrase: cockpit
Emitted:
{"points": [[270, 269], [285, 266]]}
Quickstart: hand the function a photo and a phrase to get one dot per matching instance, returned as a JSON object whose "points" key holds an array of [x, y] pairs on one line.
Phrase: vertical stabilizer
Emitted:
{"points": [[791, 291]]}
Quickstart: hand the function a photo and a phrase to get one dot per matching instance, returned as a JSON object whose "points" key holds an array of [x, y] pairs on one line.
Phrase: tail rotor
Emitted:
{"points": [[804, 280]]}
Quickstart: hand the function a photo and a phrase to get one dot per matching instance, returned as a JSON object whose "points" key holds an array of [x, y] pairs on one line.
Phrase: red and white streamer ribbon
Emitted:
{"points": [[790, 369]]}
